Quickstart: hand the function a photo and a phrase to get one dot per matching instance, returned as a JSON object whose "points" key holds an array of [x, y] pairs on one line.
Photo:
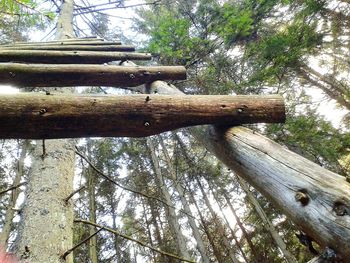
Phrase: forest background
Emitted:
{"points": [[167, 191]]}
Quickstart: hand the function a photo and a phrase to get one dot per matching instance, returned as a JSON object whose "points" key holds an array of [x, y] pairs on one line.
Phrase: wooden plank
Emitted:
{"points": [[39, 116], [67, 75], [73, 47], [63, 42], [69, 57]]}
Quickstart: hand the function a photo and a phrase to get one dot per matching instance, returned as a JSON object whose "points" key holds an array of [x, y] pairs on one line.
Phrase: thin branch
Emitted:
{"points": [[133, 240], [80, 243], [12, 188], [108, 178], [75, 192]]}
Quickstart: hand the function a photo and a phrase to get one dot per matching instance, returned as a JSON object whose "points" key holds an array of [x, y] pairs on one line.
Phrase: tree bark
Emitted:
{"points": [[46, 228], [69, 57], [56, 75], [315, 199], [72, 48], [68, 116], [10, 212]]}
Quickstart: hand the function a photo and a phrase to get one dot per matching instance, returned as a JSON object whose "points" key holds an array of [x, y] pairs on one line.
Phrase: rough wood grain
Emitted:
{"points": [[284, 177], [66, 116], [73, 47], [279, 174], [56, 75], [68, 57]]}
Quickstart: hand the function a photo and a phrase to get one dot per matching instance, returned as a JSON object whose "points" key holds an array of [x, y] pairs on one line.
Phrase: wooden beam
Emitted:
{"points": [[62, 42], [72, 47], [69, 57], [59, 41], [37, 116], [67, 75]]}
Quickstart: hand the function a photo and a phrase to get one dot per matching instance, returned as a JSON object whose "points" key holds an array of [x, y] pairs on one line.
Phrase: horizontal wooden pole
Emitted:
{"points": [[67, 75], [68, 57], [62, 42], [36, 116], [68, 40], [73, 47]]}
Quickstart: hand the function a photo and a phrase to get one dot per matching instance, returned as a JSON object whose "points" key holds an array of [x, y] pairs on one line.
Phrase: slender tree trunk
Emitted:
{"points": [[170, 211], [196, 234], [10, 212], [268, 225], [217, 253], [214, 214], [91, 183], [46, 229]]}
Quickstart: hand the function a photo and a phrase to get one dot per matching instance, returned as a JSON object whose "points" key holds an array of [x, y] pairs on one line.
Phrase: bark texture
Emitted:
{"points": [[63, 116], [46, 229], [56, 75], [68, 57], [315, 199]]}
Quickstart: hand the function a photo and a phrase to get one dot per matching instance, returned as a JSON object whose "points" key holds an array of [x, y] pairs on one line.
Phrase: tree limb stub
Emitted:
{"points": [[68, 75], [69, 57], [73, 47], [69, 116]]}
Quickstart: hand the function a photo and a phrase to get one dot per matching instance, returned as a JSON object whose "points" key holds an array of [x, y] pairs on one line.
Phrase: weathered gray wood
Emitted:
{"points": [[56, 75], [73, 47], [58, 41], [282, 176], [315, 199], [38, 116], [68, 57]]}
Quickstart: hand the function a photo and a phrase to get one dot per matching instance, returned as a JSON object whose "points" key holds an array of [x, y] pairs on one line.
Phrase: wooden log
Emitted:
{"points": [[67, 75], [73, 47], [57, 41], [37, 116], [315, 199], [63, 42], [69, 57]]}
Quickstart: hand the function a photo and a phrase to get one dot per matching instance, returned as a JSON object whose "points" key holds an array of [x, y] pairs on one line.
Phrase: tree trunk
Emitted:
{"points": [[10, 212], [67, 116], [67, 75], [315, 199], [196, 234], [268, 225], [170, 211], [91, 188], [46, 229], [68, 57]]}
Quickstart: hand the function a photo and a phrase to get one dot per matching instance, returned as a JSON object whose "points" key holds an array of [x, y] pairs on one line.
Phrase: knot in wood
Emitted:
{"points": [[302, 197], [340, 209]]}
